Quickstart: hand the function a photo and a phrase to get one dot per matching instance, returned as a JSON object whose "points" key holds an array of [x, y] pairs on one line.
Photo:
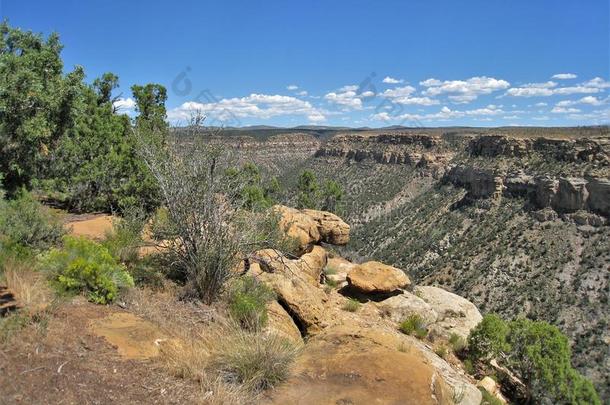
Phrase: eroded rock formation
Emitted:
{"points": [[359, 357], [395, 148], [563, 194]]}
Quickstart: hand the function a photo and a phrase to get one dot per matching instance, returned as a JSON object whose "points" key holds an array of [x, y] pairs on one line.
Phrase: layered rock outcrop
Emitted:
{"points": [[359, 357], [570, 150], [308, 227], [388, 148], [563, 194]]}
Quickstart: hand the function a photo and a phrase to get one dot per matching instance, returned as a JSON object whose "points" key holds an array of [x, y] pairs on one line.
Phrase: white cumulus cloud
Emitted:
{"points": [[444, 114], [398, 92], [590, 100], [598, 83], [292, 87], [564, 110], [391, 80], [463, 91], [416, 101], [348, 97], [564, 76], [549, 88], [262, 106]]}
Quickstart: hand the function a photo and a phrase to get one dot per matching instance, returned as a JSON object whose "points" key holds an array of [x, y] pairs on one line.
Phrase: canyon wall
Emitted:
{"points": [[490, 166]]}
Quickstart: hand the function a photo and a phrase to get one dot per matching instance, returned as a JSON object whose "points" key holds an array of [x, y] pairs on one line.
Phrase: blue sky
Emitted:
{"points": [[352, 63]]}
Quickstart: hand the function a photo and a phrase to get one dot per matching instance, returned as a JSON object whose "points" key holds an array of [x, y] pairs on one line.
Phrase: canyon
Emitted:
{"points": [[514, 220]]}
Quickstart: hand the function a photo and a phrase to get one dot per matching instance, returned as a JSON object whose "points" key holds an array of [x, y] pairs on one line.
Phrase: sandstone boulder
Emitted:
{"points": [[399, 307], [280, 322], [337, 270], [295, 289], [377, 278], [299, 226], [313, 262], [455, 314], [308, 267], [309, 227], [331, 228]]}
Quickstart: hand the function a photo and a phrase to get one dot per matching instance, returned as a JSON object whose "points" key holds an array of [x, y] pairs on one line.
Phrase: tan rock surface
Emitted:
{"points": [[90, 226], [489, 385], [298, 225], [295, 289], [355, 364], [399, 307], [375, 277], [134, 337], [455, 314], [332, 229], [281, 323], [309, 227], [313, 263]]}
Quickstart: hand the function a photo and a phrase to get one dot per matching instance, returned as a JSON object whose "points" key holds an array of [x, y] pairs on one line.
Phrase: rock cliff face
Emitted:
{"points": [[580, 150], [409, 148], [276, 154], [451, 157], [564, 194], [396, 148]]}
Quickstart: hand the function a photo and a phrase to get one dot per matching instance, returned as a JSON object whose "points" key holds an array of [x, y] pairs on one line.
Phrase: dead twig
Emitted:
{"points": [[61, 366], [31, 370]]}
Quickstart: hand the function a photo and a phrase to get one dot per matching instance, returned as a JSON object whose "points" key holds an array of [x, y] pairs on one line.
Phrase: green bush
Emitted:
{"points": [[488, 398], [26, 225], [488, 339], [84, 266], [414, 325], [248, 300], [538, 353], [458, 343], [330, 282], [441, 351]]}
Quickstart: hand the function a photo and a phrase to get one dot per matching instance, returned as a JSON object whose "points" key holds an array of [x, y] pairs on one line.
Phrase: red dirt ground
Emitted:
{"points": [[67, 363]]}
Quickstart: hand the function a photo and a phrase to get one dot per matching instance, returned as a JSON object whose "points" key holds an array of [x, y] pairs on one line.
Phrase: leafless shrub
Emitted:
{"points": [[203, 226], [201, 203]]}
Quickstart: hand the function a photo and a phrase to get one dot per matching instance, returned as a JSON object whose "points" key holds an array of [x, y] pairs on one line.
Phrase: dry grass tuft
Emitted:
{"points": [[256, 360], [29, 286], [233, 363], [245, 360], [217, 392]]}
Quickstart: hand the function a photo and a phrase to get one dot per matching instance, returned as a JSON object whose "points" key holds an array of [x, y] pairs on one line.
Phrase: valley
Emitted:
{"points": [[515, 222]]}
